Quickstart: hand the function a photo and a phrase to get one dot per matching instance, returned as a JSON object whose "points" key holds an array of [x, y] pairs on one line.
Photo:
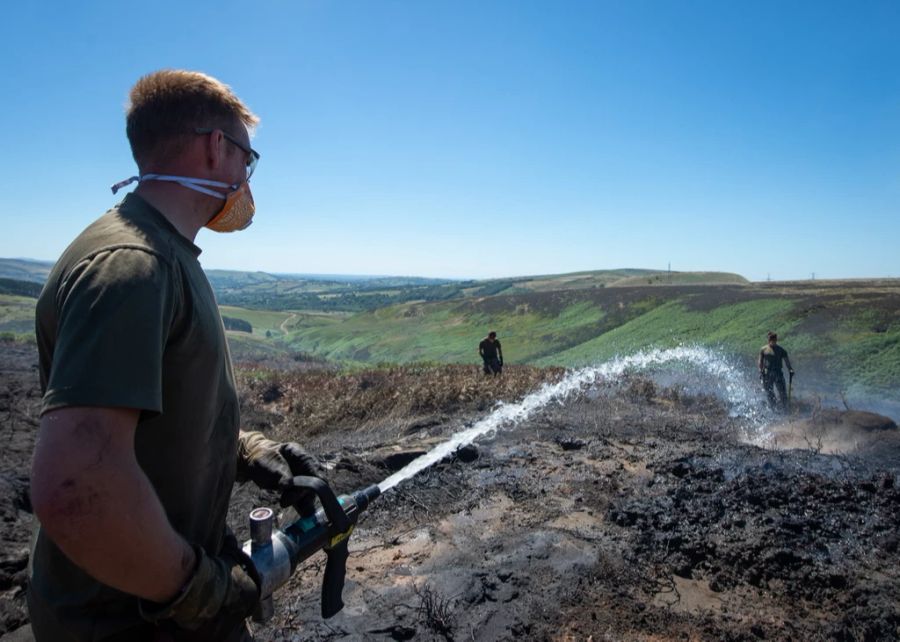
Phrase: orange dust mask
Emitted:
{"points": [[237, 212]]}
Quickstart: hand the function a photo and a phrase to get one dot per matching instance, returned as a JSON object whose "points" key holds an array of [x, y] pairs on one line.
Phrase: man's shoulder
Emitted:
{"points": [[129, 228]]}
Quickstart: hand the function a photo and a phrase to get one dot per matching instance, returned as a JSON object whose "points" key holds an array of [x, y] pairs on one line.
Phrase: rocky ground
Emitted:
{"points": [[630, 512]]}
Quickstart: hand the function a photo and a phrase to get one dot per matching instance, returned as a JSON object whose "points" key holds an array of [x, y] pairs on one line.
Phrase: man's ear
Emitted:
{"points": [[214, 150]]}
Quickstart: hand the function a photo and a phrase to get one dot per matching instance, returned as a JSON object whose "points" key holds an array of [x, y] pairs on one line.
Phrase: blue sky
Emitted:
{"points": [[487, 138]]}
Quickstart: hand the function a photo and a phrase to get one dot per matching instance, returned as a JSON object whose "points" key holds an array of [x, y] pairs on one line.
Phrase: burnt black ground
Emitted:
{"points": [[633, 514], [19, 402]]}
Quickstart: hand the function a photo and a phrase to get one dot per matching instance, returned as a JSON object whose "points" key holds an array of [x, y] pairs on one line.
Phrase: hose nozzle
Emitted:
{"points": [[365, 496]]}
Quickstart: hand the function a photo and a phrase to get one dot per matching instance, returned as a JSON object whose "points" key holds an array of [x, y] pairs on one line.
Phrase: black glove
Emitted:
{"points": [[791, 372], [221, 594], [272, 465]]}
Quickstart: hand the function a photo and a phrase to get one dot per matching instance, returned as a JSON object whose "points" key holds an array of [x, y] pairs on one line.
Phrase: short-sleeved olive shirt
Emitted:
{"points": [[128, 319], [772, 359]]}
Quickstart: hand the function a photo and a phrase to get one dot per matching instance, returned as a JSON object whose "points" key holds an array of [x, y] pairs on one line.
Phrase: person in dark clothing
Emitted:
{"points": [[491, 354], [771, 358]]}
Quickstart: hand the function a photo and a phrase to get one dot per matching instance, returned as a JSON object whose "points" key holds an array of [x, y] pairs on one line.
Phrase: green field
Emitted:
{"points": [[267, 323], [846, 334]]}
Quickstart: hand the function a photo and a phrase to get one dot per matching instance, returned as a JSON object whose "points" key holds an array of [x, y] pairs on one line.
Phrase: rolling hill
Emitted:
{"points": [[846, 334], [25, 270]]}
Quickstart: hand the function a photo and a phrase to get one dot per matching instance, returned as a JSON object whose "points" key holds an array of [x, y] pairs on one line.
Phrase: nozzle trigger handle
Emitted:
{"points": [[339, 521], [339, 531], [333, 581]]}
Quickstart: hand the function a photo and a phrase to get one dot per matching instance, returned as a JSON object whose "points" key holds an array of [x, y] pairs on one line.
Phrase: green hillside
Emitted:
{"points": [[263, 291], [848, 333], [737, 327], [531, 326]]}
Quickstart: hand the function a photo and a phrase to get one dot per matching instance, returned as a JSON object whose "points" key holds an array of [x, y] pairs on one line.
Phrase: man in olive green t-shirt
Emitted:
{"points": [[139, 442], [771, 362], [491, 354]]}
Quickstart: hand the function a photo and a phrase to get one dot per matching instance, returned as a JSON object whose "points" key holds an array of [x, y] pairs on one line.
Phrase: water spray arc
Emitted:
{"points": [[730, 382]]}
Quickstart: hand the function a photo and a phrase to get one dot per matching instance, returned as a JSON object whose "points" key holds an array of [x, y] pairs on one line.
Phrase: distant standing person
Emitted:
{"points": [[771, 358], [491, 354]]}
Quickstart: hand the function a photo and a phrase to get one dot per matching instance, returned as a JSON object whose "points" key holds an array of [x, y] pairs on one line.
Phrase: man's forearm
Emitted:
{"points": [[98, 506]]}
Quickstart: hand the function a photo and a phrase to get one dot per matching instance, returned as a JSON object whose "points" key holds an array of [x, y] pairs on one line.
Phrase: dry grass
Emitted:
{"points": [[312, 402], [435, 610]]}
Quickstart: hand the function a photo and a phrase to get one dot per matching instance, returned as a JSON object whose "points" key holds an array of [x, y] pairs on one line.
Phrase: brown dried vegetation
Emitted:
{"points": [[308, 403]]}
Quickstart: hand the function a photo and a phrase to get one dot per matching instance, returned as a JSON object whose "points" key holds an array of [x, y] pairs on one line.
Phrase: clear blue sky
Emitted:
{"points": [[487, 138]]}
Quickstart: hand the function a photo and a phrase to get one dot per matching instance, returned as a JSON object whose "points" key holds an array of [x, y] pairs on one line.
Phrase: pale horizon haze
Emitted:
{"points": [[487, 139]]}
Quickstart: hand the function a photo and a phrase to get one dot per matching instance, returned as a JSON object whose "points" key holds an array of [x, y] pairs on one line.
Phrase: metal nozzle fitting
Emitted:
{"points": [[261, 524]]}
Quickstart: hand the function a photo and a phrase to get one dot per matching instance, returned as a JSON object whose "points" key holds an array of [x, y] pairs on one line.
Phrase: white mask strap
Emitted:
{"points": [[191, 183], [185, 181], [128, 181]]}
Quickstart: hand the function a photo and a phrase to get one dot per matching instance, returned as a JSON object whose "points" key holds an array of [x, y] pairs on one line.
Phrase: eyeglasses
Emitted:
{"points": [[252, 154]]}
